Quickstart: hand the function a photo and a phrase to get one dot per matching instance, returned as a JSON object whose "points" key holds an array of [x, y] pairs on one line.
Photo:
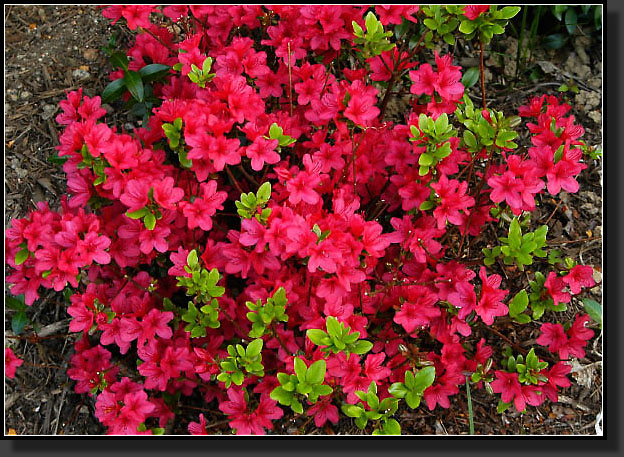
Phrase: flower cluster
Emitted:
{"points": [[169, 236]]}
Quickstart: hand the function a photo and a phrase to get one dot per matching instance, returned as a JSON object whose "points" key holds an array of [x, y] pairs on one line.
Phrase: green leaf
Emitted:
{"points": [[317, 336], [281, 395], [424, 378], [392, 427], [17, 304], [134, 83], [316, 372], [153, 72], [19, 321], [21, 256], [413, 399], [554, 41], [522, 318], [300, 369], [467, 27], [502, 406], [323, 389], [357, 30], [398, 390], [509, 11], [426, 205], [515, 234], [469, 79], [207, 65], [114, 90], [558, 11], [333, 327], [150, 221], [372, 24], [441, 124], [264, 193], [519, 303], [470, 139], [297, 406], [426, 159], [138, 214], [570, 20], [430, 23], [254, 348], [275, 131], [352, 410], [594, 309], [238, 378], [361, 347], [119, 60], [56, 160]]}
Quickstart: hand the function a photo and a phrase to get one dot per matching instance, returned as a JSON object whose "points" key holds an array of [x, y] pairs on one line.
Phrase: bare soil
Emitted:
{"points": [[50, 50]]}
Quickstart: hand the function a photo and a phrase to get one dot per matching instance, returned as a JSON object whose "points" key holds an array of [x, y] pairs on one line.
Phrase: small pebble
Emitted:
{"points": [[81, 74]]}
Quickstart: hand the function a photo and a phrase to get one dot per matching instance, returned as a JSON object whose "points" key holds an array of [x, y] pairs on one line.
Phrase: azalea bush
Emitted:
{"points": [[270, 240]]}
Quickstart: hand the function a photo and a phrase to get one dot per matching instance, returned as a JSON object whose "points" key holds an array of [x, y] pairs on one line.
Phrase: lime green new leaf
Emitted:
{"points": [[467, 27], [316, 372], [138, 214], [318, 336], [509, 12], [361, 347], [264, 193], [21, 256], [254, 348], [150, 221]]}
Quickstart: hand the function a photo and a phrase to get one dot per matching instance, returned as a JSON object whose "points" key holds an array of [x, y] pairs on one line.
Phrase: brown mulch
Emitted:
{"points": [[50, 50]]}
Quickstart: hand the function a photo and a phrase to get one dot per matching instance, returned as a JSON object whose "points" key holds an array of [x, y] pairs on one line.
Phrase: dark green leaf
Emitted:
{"points": [[558, 11], [134, 83], [570, 20], [154, 71], [114, 90], [554, 41], [469, 79], [119, 60], [19, 321], [55, 159], [15, 303]]}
